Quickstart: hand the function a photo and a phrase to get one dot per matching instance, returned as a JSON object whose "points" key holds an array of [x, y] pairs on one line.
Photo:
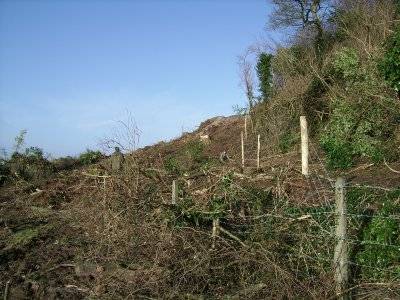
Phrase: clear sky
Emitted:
{"points": [[70, 69]]}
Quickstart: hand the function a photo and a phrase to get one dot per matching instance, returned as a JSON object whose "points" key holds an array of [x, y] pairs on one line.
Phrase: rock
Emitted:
{"points": [[205, 139]]}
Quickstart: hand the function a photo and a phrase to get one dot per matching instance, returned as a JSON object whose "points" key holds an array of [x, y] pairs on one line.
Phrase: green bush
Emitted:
{"points": [[173, 166], [195, 151], [30, 165], [360, 124], [65, 163], [90, 157], [287, 141], [380, 245], [4, 171], [346, 64], [390, 64]]}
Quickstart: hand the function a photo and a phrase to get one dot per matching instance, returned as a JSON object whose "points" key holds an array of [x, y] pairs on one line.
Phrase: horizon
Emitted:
{"points": [[70, 70]]}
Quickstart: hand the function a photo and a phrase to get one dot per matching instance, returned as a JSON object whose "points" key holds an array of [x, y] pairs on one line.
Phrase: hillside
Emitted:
{"points": [[230, 211], [92, 233]]}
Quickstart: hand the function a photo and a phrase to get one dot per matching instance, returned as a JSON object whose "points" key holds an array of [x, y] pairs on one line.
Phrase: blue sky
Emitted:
{"points": [[70, 69]]}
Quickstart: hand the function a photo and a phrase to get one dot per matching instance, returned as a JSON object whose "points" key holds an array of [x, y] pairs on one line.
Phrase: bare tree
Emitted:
{"points": [[299, 13], [246, 72], [125, 135], [306, 16]]}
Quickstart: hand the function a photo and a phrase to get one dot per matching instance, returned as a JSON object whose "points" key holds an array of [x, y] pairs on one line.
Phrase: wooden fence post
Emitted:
{"points": [[340, 261], [258, 152], [304, 145], [242, 141], [215, 231], [174, 192], [245, 126]]}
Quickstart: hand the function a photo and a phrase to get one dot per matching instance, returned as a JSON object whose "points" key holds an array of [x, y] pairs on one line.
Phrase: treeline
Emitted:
{"points": [[341, 69]]}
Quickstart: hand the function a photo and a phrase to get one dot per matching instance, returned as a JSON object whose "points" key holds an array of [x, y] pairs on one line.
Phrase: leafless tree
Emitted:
{"points": [[124, 135], [306, 16], [246, 72]]}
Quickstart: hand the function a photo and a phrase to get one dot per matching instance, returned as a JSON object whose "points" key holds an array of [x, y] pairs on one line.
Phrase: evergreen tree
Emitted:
{"points": [[264, 74]]}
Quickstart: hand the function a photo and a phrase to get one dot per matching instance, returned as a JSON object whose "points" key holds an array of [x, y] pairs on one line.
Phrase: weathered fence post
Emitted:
{"points": [[215, 231], [304, 145], [258, 152], [340, 261], [242, 141], [174, 192], [245, 126]]}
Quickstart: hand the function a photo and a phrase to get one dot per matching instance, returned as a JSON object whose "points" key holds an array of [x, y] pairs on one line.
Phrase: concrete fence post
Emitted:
{"points": [[340, 261], [245, 126], [174, 192], [258, 151], [304, 145], [242, 142]]}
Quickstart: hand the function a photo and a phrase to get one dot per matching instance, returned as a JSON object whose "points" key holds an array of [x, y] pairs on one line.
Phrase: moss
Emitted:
{"points": [[23, 238]]}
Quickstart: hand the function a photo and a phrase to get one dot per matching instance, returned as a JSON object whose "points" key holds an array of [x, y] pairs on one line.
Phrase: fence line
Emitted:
{"points": [[321, 223]]}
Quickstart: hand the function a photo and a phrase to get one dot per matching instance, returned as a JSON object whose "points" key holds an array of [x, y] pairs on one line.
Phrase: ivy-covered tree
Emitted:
{"points": [[390, 64], [264, 73]]}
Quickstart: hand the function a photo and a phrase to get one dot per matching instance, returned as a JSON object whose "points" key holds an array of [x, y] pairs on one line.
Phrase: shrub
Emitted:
{"points": [[380, 232], [346, 64], [30, 165], [173, 166], [90, 157], [390, 64], [360, 124], [65, 163], [4, 171], [195, 151], [287, 141]]}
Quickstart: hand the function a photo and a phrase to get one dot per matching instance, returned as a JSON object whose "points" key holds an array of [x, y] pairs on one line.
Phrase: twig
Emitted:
{"points": [[232, 236], [360, 167], [8, 283], [98, 176], [391, 169], [61, 266]]}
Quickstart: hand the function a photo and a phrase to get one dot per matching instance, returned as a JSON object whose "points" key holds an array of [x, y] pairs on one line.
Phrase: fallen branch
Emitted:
{"points": [[391, 169], [62, 266], [97, 176], [232, 236], [360, 167], [8, 283]]}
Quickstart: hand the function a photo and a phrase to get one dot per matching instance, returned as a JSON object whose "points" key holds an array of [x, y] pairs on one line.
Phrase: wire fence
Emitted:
{"points": [[351, 228]]}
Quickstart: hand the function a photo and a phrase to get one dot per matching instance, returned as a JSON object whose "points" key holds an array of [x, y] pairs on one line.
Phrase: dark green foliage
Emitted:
{"points": [[390, 64], [360, 125], [65, 163], [4, 171], [90, 157], [378, 231], [31, 165], [288, 140], [264, 73], [173, 166], [195, 151]]}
